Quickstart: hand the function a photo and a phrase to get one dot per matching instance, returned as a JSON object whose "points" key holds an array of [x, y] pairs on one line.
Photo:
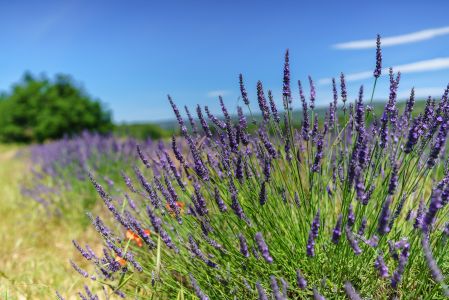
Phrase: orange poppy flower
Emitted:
{"points": [[135, 237], [120, 260]]}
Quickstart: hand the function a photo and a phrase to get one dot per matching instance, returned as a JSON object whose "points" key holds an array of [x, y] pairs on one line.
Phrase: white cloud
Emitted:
{"points": [[422, 92], [216, 93], [415, 67], [395, 40]]}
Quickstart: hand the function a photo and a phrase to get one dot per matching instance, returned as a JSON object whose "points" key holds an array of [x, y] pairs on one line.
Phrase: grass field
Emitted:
{"points": [[34, 248]]}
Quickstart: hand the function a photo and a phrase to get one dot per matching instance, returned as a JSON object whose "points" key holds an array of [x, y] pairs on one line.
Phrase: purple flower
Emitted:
{"points": [[393, 179], [261, 292], [79, 270], [220, 203], [275, 288], [191, 121], [157, 225], [384, 129], [413, 135], [243, 90], [202, 122], [432, 264], [229, 127], [335, 94], [154, 198], [263, 248], [440, 141], [58, 295], [352, 241], [312, 93], [362, 227], [262, 102], [178, 116], [318, 154], [343, 94], [235, 205], [198, 292], [263, 194], [302, 283], [220, 124], [378, 69], [410, 104], [83, 252], [397, 274], [419, 215], [336, 233], [266, 142], [243, 246], [351, 292], [274, 110], [384, 217], [351, 216], [176, 151], [200, 169], [286, 92], [380, 265], [305, 121], [313, 234], [398, 210], [267, 169], [435, 205]]}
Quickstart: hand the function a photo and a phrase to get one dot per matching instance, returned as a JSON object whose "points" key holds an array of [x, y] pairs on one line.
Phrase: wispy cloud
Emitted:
{"points": [[216, 93], [415, 67], [422, 92], [395, 40]]}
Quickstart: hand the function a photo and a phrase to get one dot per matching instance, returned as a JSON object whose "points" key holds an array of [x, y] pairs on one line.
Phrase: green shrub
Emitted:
{"points": [[38, 108]]}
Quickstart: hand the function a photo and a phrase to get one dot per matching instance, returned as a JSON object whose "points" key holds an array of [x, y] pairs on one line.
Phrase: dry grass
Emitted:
{"points": [[34, 248]]}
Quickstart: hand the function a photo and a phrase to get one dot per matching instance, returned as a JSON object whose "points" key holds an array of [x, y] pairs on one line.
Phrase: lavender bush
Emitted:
{"points": [[350, 205], [59, 169]]}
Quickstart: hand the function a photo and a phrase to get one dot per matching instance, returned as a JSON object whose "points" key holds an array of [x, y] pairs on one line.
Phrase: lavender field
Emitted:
{"points": [[349, 204], [208, 150]]}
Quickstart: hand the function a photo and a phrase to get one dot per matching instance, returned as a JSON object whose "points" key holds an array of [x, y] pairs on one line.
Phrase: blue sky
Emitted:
{"points": [[130, 54]]}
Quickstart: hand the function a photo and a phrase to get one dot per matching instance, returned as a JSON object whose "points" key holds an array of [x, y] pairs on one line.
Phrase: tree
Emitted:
{"points": [[37, 109]]}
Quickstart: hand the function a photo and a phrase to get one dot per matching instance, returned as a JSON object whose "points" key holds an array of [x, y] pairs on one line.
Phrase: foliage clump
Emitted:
{"points": [[39, 108]]}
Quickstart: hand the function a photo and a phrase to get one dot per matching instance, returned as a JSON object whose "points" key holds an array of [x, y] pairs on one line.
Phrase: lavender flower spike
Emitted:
{"points": [[243, 90], [378, 69], [336, 234], [435, 205], [199, 293], [313, 234], [380, 265], [351, 292], [383, 226], [263, 248], [286, 91], [221, 205], [243, 246], [431, 263], [261, 292], [302, 282], [438, 145], [262, 102], [275, 287], [352, 241], [312, 93]]}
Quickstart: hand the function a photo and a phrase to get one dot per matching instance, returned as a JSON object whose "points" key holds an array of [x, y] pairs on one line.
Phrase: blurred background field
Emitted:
{"points": [[34, 246]]}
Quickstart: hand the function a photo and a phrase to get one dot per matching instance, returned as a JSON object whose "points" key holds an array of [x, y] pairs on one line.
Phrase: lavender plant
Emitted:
{"points": [[59, 170], [352, 204]]}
